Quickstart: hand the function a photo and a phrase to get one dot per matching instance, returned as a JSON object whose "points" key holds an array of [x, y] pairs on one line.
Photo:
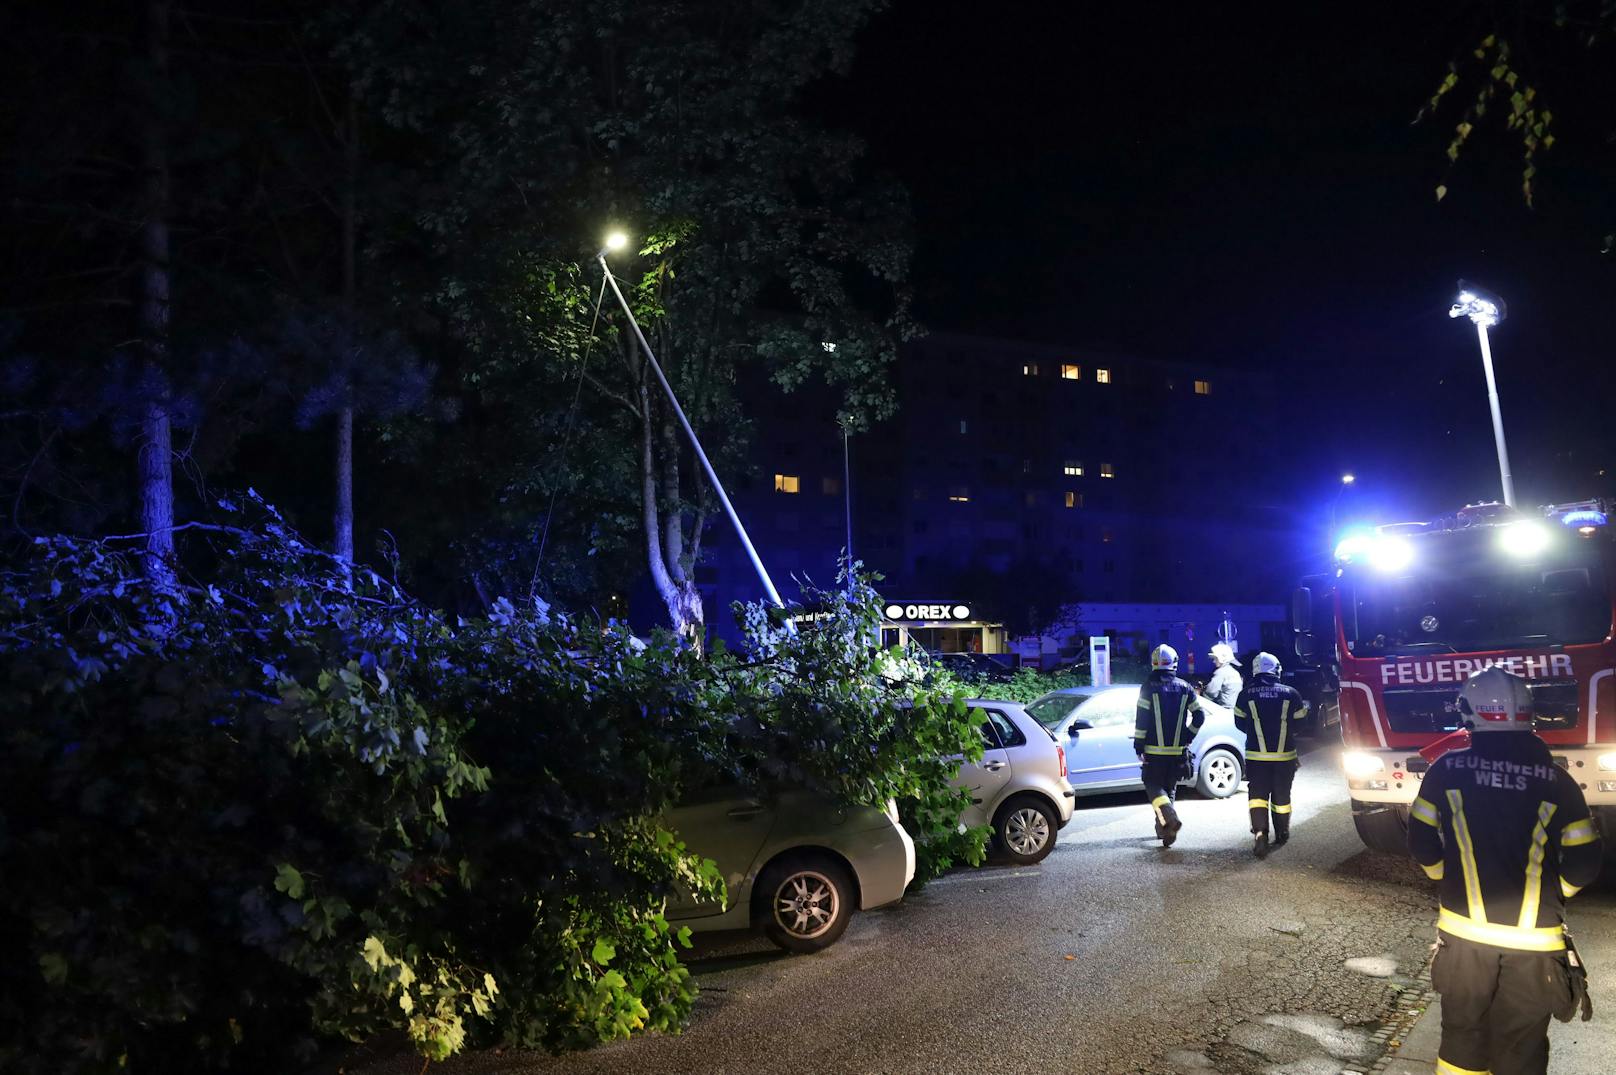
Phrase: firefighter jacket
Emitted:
{"points": [[1265, 711], [1224, 686], [1167, 717], [1507, 832]]}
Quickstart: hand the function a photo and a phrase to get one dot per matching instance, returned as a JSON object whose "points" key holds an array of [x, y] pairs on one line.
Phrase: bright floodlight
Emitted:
{"points": [[1483, 309], [616, 241], [1351, 546], [1348, 479], [1390, 553], [1524, 539]]}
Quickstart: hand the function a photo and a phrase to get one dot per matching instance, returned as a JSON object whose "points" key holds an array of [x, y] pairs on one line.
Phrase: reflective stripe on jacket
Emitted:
{"points": [[1167, 717], [1264, 711], [1507, 832]]}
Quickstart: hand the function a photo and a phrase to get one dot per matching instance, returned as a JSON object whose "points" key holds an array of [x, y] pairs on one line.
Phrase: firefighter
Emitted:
{"points": [[1166, 720], [1507, 833], [1225, 684], [1265, 711]]}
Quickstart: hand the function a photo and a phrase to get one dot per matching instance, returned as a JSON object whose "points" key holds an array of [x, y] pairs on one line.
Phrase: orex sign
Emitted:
{"points": [[942, 610]]}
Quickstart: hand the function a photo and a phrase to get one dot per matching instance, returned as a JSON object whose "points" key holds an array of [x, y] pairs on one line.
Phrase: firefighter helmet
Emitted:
{"points": [[1164, 658], [1496, 700], [1266, 664], [1222, 654]]}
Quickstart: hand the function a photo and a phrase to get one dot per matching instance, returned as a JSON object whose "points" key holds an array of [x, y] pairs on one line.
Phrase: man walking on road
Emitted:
{"points": [[1508, 834], [1265, 711], [1225, 684], [1165, 721]]}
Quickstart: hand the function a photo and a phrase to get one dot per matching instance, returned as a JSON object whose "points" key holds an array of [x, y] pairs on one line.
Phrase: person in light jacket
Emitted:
{"points": [[1225, 685]]}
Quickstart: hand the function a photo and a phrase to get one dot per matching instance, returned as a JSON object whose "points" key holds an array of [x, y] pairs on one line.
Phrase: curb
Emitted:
{"points": [[1411, 1007]]}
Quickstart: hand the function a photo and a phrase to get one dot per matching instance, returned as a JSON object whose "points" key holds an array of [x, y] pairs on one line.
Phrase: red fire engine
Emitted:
{"points": [[1420, 606]]}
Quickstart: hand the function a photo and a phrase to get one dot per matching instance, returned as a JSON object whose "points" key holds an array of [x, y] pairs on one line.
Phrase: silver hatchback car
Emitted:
{"points": [[796, 865], [1095, 724], [1019, 787]]}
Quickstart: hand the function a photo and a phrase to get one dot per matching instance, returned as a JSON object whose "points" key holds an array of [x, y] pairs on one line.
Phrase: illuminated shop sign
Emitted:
{"points": [[898, 612]]}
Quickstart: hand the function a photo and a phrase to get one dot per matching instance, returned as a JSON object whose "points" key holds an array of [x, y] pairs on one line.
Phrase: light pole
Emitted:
{"points": [[616, 241], [1486, 310], [1346, 480]]}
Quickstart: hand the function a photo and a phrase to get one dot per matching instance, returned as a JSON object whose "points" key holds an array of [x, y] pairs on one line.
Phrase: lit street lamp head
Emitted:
{"points": [[614, 242], [1482, 307], [1348, 479]]}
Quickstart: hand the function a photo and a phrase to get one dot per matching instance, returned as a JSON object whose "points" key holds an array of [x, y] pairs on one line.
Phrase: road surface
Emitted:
{"points": [[1111, 956]]}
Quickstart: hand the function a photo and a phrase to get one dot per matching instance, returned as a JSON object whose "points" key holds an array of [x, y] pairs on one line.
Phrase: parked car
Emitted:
{"points": [[796, 865], [1095, 724], [1019, 787]]}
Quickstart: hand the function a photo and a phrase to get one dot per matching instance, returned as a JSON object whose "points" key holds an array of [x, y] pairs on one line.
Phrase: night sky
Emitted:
{"points": [[1241, 185]]}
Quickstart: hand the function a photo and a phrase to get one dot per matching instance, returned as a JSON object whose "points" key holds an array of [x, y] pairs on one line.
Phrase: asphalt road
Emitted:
{"points": [[1111, 956]]}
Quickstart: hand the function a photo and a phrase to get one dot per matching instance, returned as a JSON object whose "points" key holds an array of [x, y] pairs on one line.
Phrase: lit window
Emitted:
{"points": [[830, 486], [1074, 500], [1071, 372], [1073, 468], [1103, 376], [1029, 369], [959, 494], [787, 483], [1203, 388], [1107, 470]]}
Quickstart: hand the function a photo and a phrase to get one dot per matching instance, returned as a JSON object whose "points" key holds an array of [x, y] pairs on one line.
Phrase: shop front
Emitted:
{"points": [[941, 627]]}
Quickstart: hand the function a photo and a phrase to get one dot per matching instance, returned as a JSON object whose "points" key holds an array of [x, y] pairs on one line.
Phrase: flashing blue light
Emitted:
{"points": [[1583, 518], [1353, 545]]}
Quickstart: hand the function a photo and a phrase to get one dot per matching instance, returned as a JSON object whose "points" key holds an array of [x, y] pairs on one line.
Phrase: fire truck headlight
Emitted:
{"points": [[1358, 764], [1389, 553], [1524, 539], [1607, 762]]}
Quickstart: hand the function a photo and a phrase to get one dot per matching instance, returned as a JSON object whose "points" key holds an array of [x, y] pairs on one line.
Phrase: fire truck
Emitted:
{"points": [[1420, 606]]}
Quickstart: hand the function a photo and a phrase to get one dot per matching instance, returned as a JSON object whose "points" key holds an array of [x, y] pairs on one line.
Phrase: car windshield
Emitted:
{"points": [[1110, 707], [1052, 710], [1460, 595]]}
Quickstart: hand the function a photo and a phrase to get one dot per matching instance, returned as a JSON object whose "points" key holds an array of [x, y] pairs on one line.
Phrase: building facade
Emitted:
{"points": [[1016, 478]]}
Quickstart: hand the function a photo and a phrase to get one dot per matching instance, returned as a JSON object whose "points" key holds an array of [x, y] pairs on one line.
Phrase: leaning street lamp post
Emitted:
{"points": [[616, 241], [1486, 310]]}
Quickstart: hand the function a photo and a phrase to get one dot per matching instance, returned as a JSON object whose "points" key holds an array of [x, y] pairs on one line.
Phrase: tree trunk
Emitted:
{"points": [[681, 598], [343, 520], [154, 461]]}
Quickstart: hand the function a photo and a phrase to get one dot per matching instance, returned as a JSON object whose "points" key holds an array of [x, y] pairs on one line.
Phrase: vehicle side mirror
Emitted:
{"points": [[1302, 622], [1079, 726]]}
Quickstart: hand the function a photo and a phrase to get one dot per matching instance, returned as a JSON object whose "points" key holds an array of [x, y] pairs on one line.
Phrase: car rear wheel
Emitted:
{"points": [[1025, 829], [1219, 775], [805, 902]]}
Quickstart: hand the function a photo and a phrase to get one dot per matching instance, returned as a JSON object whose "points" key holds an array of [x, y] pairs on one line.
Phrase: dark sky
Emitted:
{"points": [[1241, 185]]}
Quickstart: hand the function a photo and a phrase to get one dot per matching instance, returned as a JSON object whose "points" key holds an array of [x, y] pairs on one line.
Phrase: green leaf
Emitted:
{"points": [[604, 952], [289, 881]]}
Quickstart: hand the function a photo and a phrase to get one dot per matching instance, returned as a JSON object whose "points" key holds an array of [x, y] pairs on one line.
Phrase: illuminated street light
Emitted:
{"points": [[1348, 479], [1486, 310], [616, 241]]}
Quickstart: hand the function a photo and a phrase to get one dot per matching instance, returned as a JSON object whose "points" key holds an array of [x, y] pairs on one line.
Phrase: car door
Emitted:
{"points": [[985, 779], [727, 827], [1101, 753]]}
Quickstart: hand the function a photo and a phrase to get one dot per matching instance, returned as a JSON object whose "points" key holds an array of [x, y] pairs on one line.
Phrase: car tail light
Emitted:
{"points": [[1060, 752]]}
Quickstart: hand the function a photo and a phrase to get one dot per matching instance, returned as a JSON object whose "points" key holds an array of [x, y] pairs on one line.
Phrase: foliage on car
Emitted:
{"points": [[275, 801]]}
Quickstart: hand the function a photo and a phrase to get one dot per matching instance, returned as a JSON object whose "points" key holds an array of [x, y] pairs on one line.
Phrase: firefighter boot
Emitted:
{"points": [[1282, 829], [1259, 830], [1170, 825]]}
